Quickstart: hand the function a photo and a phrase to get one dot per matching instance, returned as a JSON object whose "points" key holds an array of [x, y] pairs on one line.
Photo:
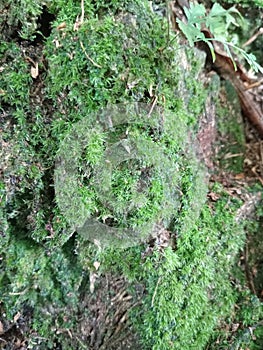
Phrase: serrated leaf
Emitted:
{"points": [[233, 9], [217, 21], [230, 20], [217, 11], [191, 33], [251, 60], [195, 14], [215, 24]]}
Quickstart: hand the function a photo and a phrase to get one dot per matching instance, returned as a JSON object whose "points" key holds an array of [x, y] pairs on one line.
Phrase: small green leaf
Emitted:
{"points": [[215, 24], [217, 21], [195, 14], [251, 59], [217, 11], [230, 20], [191, 33]]}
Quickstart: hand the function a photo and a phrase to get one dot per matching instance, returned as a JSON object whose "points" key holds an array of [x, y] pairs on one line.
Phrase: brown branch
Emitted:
{"points": [[249, 107], [89, 58]]}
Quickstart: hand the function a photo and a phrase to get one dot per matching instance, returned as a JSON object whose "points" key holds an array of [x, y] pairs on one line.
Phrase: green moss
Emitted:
{"points": [[188, 291], [247, 311], [113, 56], [21, 16], [15, 79]]}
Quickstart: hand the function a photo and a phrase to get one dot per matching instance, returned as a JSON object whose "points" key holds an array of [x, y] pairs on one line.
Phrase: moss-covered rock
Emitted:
{"points": [[52, 277]]}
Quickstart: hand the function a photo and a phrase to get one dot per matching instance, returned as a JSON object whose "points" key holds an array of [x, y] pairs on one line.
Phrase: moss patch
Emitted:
{"points": [[171, 291]]}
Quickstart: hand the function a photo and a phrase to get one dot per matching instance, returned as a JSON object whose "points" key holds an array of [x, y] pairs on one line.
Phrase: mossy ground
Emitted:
{"points": [[178, 291]]}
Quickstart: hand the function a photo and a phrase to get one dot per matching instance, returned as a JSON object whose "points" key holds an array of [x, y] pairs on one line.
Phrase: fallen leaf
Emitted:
{"points": [[17, 316], [18, 343], [132, 84], [57, 43], [34, 71], [235, 327], [1, 328], [240, 176], [213, 196], [96, 265], [62, 26]]}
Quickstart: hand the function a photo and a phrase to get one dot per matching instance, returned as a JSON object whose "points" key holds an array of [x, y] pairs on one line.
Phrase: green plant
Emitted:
{"points": [[188, 291], [115, 55], [20, 16], [197, 16], [134, 66]]}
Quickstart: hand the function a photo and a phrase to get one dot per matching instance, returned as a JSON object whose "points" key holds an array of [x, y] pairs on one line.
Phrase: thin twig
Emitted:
{"points": [[253, 38], [155, 291], [82, 12], [255, 84], [84, 346], [90, 59], [168, 22], [19, 293], [152, 107]]}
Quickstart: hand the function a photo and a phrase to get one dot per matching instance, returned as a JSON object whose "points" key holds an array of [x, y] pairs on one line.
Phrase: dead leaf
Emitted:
{"points": [[17, 316], [96, 265], [18, 343], [57, 43], [77, 24], [213, 196], [132, 84], [34, 71], [62, 25], [240, 176], [235, 327]]}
